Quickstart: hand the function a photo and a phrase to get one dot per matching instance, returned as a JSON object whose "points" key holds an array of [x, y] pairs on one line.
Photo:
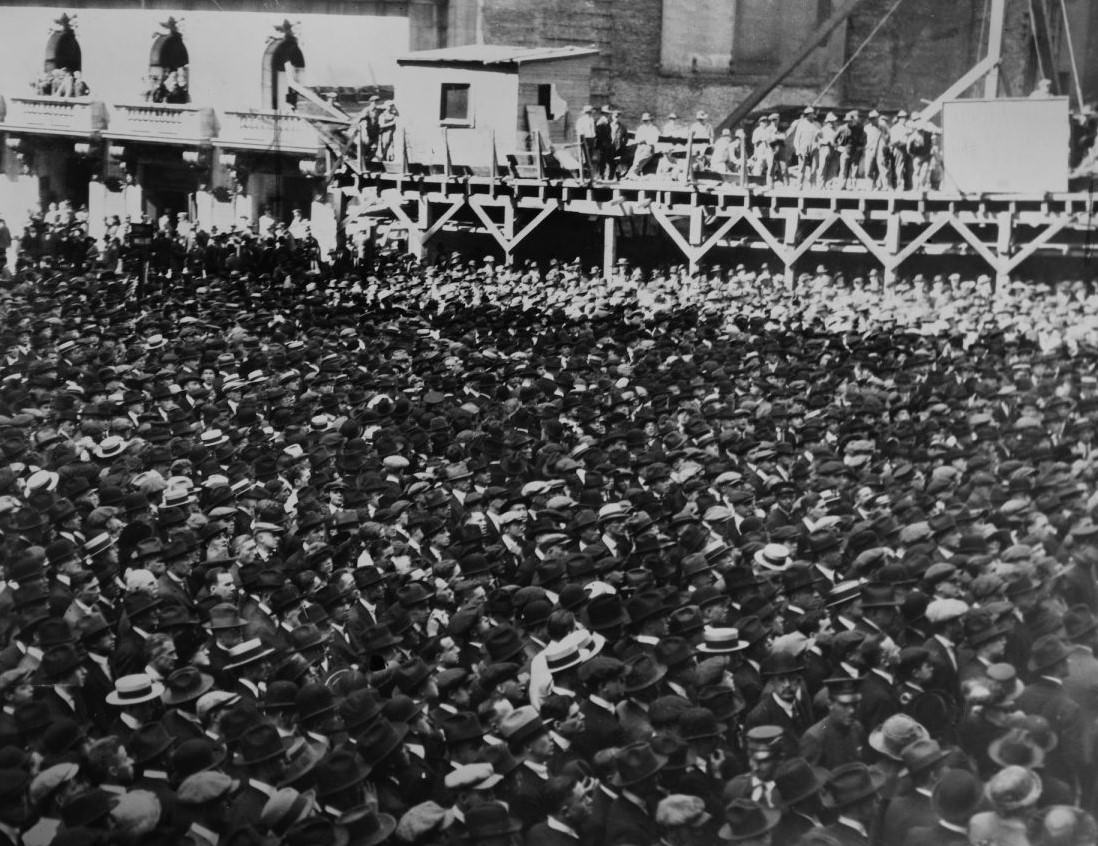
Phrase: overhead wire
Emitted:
{"points": [[855, 54]]}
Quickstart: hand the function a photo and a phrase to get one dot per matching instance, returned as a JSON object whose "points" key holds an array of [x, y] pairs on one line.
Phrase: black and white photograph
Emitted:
{"points": [[548, 422]]}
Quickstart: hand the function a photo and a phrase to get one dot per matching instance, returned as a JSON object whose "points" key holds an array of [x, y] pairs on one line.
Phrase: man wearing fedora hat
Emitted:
{"points": [[1045, 696], [954, 800], [798, 784], [630, 818], [923, 763], [852, 794]]}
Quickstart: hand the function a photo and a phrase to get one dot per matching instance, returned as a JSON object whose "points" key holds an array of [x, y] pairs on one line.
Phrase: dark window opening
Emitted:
{"points": [[454, 102]]}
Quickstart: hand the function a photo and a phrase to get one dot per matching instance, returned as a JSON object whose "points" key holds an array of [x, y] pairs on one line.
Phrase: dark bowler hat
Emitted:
{"points": [[490, 819], [339, 770], [1079, 621], [316, 831], [461, 727], [366, 826], [956, 796], [185, 685], [149, 742], [642, 672], [359, 709], [1048, 651], [503, 643], [606, 611], [796, 780], [58, 662], [747, 820], [922, 755], [258, 744], [851, 783], [379, 740], [635, 763], [197, 755], [314, 700], [87, 808], [781, 664]]}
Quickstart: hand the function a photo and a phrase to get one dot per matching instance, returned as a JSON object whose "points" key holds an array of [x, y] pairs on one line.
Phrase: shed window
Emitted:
{"points": [[454, 103]]}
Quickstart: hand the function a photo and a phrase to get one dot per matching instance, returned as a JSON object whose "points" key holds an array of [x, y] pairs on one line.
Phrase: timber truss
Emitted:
{"points": [[890, 227]]}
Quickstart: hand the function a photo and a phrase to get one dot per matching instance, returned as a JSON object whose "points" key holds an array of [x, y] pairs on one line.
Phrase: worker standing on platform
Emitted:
{"points": [[825, 149], [803, 134], [701, 130], [587, 140], [645, 138], [613, 139], [871, 141], [851, 139], [721, 160], [673, 127], [897, 145]]}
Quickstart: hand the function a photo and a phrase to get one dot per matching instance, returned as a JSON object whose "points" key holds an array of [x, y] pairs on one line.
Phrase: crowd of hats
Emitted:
{"points": [[475, 554]]}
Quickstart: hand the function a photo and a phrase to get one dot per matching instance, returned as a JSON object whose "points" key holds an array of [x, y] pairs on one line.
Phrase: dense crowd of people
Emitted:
{"points": [[477, 554]]}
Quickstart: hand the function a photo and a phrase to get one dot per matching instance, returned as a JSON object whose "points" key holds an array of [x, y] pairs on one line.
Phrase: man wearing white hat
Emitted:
{"points": [[645, 137]]}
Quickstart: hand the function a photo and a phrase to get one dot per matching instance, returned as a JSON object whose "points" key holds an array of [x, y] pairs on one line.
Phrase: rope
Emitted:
{"points": [[855, 54]]}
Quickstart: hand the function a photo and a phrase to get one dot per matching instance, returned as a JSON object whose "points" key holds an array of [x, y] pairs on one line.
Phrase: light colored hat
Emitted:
{"points": [[133, 690], [941, 610], [1012, 788]]}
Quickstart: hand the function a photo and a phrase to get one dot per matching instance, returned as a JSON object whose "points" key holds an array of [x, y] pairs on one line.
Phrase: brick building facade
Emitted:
{"points": [[680, 55]]}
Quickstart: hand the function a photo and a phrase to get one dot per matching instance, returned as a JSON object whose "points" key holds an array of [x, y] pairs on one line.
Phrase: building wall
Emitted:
{"points": [[915, 55], [226, 50], [493, 104]]}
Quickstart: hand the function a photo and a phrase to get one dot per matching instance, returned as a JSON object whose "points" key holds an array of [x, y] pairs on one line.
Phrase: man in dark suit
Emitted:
{"points": [[566, 800], [954, 800], [1046, 697], [631, 816], [62, 674], [603, 679], [14, 811], [852, 793], [924, 761], [944, 616], [785, 704], [98, 641]]}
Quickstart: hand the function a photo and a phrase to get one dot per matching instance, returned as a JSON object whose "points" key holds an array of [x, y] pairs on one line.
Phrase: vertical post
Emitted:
{"points": [[789, 240], [743, 162], [892, 245], [688, 175], [1002, 247], [609, 246], [403, 150], [492, 161], [447, 164], [538, 162], [509, 232], [996, 20], [695, 237]]}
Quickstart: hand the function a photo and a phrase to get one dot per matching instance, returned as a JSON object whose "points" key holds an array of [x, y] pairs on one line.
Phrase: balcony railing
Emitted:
{"points": [[54, 115], [267, 130], [163, 122]]}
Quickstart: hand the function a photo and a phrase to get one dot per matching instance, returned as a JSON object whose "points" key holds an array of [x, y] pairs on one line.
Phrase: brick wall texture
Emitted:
{"points": [[918, 53]]}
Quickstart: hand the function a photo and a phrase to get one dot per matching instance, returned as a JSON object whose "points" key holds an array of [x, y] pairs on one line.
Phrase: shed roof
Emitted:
{"points": [[494, 54]]}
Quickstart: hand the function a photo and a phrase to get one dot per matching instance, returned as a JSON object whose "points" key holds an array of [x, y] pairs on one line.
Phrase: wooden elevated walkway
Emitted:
{"points": [[891, 226]]}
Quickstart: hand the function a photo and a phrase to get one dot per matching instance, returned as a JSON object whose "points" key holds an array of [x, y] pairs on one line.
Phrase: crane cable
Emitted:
{"points": [[855, 54]]}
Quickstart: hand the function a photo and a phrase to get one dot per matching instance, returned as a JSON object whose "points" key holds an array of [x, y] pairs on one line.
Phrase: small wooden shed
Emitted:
{"points": [[463, 97]]}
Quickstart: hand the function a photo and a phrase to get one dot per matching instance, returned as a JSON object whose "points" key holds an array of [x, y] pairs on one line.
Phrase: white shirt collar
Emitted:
{"points": [[564, 828], [854, 824]]}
